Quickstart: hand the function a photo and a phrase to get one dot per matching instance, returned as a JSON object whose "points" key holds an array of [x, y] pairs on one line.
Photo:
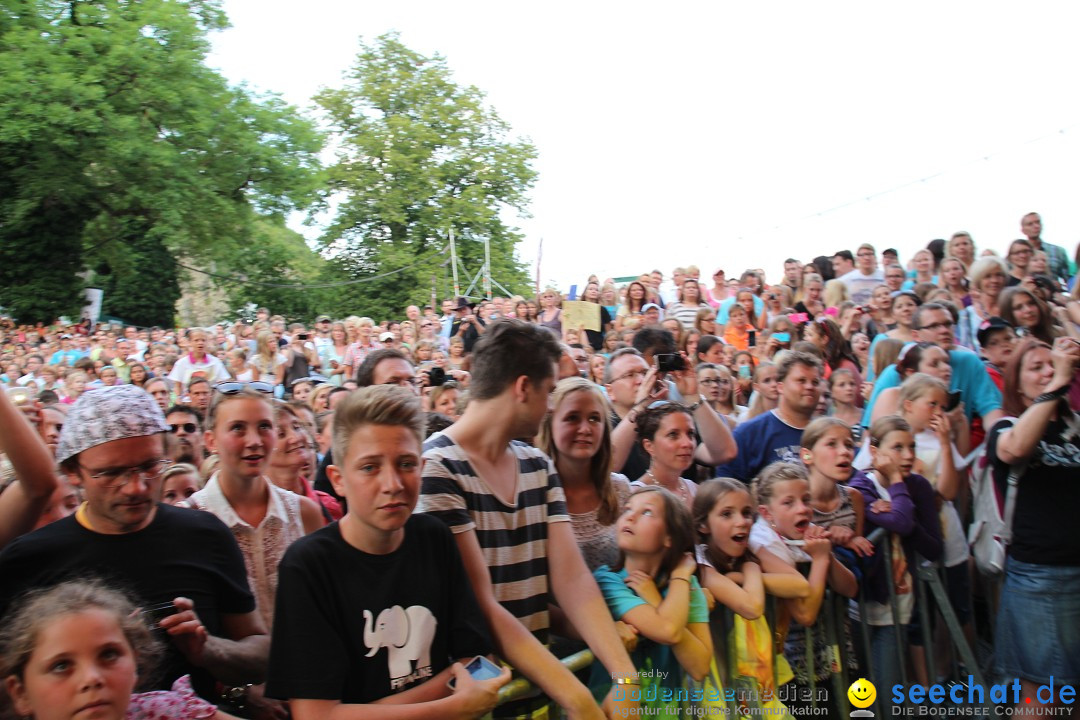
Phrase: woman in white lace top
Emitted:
{"points": [[264, 518], [576, 434]]}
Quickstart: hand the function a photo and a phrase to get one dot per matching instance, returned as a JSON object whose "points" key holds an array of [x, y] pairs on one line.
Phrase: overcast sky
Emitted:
{"points": [[734, 134]]}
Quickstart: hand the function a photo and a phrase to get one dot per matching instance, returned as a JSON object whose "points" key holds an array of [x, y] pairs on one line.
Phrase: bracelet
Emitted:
{"points": [[680, 578], [627, 681], [695, 406], [1052, 395]]}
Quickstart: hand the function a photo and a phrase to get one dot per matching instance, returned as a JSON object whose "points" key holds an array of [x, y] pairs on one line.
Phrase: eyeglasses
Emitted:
{"points": [[119, 477], [631, 374], [232, 387], [709, 381], [866, 253], [189, 428], [945, 325]]}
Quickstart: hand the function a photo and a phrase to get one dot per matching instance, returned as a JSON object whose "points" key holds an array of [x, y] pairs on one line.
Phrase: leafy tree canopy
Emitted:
{"points": [[278, 257], [418, 154], [110, 118]]}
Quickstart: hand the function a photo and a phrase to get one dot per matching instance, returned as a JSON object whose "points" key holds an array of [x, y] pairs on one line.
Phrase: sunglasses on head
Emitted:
{"points": [[232, 387]]}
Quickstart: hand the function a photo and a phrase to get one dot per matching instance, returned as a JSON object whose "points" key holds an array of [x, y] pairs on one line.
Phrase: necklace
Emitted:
{"points": [[681, 492]]}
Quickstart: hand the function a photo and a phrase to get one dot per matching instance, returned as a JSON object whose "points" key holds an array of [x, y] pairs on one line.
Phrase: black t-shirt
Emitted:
{"points": [[298, 368], [182, 553], [596, 337], [637, 462], [470, 334], [1047, 497], [356, 627], [800, 308], [322, 480]]}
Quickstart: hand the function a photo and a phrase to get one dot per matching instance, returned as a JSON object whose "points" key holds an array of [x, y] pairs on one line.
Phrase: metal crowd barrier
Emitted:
{"points": [[926, 575], [743, 693]]}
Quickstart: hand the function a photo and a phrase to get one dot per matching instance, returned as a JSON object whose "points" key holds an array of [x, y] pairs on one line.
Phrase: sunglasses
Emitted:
{"points": [[232, 387], [189, 428]]}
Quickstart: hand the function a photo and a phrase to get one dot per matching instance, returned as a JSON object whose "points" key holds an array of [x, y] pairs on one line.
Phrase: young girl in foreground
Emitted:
{"points": [[77, 650], [782, 492], [904, 504], [652, 587], [731, 575], [923, 400], [827, 449]]}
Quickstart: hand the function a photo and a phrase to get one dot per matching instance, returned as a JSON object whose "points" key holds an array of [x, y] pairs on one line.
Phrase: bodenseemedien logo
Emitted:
{"points": [[862, 694]]}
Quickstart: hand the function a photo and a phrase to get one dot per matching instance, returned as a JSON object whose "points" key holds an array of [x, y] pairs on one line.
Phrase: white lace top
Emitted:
{"points": [[262, 546], [598, 542]]}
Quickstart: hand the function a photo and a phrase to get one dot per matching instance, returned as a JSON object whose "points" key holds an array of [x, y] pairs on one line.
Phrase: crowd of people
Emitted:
{"points": [[356, 518]]}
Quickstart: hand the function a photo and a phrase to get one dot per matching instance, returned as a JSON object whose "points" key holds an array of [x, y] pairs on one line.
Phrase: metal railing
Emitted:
{"points": [[741, 692]]}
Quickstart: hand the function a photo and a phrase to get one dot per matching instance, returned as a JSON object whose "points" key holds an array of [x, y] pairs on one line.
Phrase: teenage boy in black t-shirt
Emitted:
{"points": [[372, 610]]}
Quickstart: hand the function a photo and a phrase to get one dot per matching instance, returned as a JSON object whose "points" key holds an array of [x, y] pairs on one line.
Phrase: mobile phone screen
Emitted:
{"points": [[480, 668], [483, 669]]}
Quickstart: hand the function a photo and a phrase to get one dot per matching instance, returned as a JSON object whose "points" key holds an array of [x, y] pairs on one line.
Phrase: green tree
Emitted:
{"points": [[417, 155], [142, 288], [278, 257], [108, 111]]}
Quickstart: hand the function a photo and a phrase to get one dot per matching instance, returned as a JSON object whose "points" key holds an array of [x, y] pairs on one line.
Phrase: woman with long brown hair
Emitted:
{"points": [[636, 297], [576, 435]]}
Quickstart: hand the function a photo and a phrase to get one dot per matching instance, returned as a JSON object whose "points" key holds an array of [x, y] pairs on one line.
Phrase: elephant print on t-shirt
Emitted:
{"points": [[407, 634]]}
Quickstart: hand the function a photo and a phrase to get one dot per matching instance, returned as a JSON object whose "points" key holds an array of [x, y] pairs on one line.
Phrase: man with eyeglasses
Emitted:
{"points": [[185, 424], [580, 358], [895, 276], [864, 277], [112, 446], [632, 385], [934, 323], [388, 367]]}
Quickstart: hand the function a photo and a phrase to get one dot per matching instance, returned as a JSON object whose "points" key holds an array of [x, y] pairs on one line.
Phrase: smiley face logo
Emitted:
{"points": [[862, 693]]}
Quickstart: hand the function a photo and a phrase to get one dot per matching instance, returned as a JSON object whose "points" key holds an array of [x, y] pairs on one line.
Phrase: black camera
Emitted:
{"points": [[436, 377], [670, 362]]}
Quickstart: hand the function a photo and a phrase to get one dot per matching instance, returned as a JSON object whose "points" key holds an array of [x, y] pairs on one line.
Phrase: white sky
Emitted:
{"points": [[716, 132]]}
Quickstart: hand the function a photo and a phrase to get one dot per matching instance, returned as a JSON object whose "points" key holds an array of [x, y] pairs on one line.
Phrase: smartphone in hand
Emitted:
{"points": [[480, 668]]}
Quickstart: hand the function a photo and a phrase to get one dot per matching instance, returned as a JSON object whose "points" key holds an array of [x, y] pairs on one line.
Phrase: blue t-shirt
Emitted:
{"points": [[977, 390], [68, 357], [761, 441], [648, 655], [910, 284]]}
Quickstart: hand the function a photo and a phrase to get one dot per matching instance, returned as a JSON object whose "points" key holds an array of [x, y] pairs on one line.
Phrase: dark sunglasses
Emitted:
{"points": [[232, 387], [189, 428]]}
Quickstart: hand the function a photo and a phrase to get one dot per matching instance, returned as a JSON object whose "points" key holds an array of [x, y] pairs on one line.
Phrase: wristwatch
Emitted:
{"points": [[695, 406], [235, 695]]}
